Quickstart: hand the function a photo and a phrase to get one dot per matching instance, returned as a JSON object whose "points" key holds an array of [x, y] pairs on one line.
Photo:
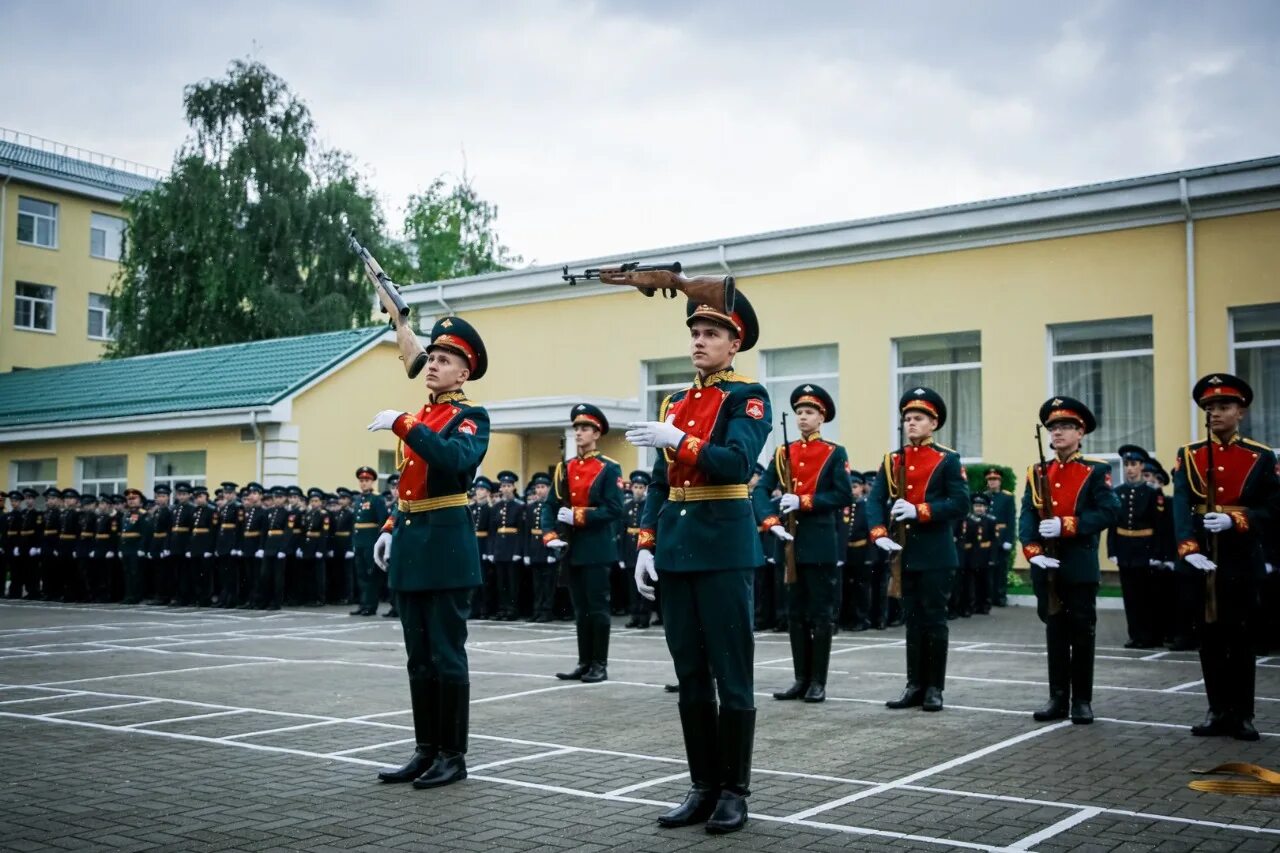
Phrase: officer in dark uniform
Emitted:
{"points": [[228, 545], [106, 547], [505, 536], [700, 535], [277, 533], [32, 540], [857, 571], [1225, 498], [486, 597], [1004, 510], [818, 489], [179, 563], [199, 590], [1164, 578], [315, 545], [68, 540], [1060, 541], [370, 514], [391, 499], [431, 552], [541, 560], [632, 509], [87, 525], [1133, 546], [162, 516], [921, 489], [253, 531], [980, 542], [297, 573], [588, 504], [342, 562], [49, 562], [135, 527], [12, 546]]}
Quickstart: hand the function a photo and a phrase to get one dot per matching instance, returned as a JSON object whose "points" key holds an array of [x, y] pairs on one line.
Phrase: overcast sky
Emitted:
{"points": [[613, 127]]}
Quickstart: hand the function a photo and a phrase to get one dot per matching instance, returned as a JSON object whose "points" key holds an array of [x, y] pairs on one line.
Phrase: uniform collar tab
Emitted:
{"points": [[713, 378]]}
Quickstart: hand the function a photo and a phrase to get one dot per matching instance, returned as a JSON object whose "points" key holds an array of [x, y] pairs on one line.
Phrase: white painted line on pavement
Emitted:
{"points": [[190, 717], [99, 708], [1061, 826]]}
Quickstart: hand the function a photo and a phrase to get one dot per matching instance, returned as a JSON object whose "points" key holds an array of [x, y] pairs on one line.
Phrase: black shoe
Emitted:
{"points": [[861, 626], [1214, 725], [816, 693], [1081, 712], [1132, 644], [932, 699], [730, 814], [1245, 730], [631, 623], [911, 697], [1184, 644], [1055, 709], [575, 674], [642, 625], [359, 611], [698, 805], [449, 767], [671, 688], [391, 614], [597, 673], [421, 761], [797, 690]]}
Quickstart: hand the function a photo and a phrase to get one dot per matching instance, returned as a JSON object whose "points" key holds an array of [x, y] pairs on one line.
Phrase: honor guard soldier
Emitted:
{"points": [[541, 560], [370, 514], [68, 541], [297, 573], [1004, 509], [1132, 544], [921, 490], [857, 571], [814, 477], [1066, 505], [1165, 578], [84, 545], [486, 597], [253, 532], [343, 562], [228, 546], [135, 527], [699, 535], [160, 582], [980, 547], [430, 550], [632, 509], [1225, 499], [588, 504], [179, 567], [505, 537], [48, 579], [269, 593], [315, 546], [200, 560]]}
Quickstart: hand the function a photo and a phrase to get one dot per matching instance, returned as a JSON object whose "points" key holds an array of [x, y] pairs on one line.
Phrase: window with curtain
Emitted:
{"points": [[661, 378], [950, 364], [1255, 354], [783, 369], [38, 474], [386, 467], [1108, 365], [103, 474], [184, 466]]}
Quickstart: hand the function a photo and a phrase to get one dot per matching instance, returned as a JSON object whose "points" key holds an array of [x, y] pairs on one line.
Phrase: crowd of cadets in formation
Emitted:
{"points": [[201, 550]]}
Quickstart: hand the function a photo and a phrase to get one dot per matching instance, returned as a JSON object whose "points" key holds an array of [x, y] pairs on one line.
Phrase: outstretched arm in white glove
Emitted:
{"points": [[384, 419], [645, 572]]}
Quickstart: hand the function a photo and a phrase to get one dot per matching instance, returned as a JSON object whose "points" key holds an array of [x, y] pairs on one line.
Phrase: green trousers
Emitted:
{"points": [[812, 597], [435, 634], [708, 621]]}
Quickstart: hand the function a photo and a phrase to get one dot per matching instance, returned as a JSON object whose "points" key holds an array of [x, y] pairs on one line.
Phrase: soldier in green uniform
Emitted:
{"points": [[541, 560], [342, 559], [431, 553], [252, 533], [10, 544], [486, 596], [135, 527], [699, 535], [818, 489], [370, 514], [979, 547], [31, 540], [505, 538], [199, 590], [179, 563], [1004, 510], [1226, 497], [160, 583], [277, 532], [1060, 541], [313, 576], [588, 504], [106, 544], [638, 606], [921, 489]]}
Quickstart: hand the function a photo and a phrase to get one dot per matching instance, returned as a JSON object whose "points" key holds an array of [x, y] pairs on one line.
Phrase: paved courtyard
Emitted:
{"points": [[156, 728]]}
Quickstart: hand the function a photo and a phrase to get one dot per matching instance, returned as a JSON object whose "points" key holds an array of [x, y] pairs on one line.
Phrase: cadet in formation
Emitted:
{"points": [[541, 560], [505, 541], [814, 477], [639, 607], [429, 550], [1003, 508], [1134, 547], [370, 514], [699, 538], [1066, 505]]}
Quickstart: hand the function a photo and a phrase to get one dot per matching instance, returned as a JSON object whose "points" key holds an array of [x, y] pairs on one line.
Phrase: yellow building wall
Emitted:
{"points": [[226, 456], [69, 268]]}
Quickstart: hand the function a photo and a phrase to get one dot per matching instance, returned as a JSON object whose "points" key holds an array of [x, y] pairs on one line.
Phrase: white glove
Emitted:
{"points": [[384, 419], [33, 552], [1008, 546], [564, 515], [188, 555], [331, 552], [235, 553], [903, 510], [17, 552], [781, 532], [1271, 569], [1045, 562], [382, 550], [1051, 528], [1168, 566], [165, 553], [350, 555], [654, 433], [884, 543], [557, 544], [527, 561], [551, 559], [622, 564], [771, 561], [297, 553], [1115, 561], [1201, 562], [91, 553], [258, 553], [1154, 563], [789, 503], [110, 554], [839, 563], [488, 558], [1217, 522], [645, 571], [281, 555], [207, 555]]}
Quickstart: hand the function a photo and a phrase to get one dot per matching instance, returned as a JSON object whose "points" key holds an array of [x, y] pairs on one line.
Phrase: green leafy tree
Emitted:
{"points": [[244, 239], [449, 233]]}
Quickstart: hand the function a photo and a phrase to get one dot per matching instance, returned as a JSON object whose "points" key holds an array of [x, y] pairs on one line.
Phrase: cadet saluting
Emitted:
{"points": [[429, 550], [699, 521]]}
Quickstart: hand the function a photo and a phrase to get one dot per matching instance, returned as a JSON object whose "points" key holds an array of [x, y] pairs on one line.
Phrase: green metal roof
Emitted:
{"points": [[237, 376], [53, 165]]}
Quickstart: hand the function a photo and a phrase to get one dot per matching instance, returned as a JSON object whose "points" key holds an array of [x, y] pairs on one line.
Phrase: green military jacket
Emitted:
{"points": [[820, 477], [1080, 494], [936, 485], [433, 542], [591, 486], [135, 532], [698, 515], [370, 515]]}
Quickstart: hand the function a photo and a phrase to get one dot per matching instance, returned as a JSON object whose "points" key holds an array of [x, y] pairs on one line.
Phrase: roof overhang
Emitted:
{"points": [[552, 413], [66, 185], [166, 422]]}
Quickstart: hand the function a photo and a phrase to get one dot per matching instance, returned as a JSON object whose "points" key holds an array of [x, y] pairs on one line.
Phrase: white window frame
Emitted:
{"points": [[92, 228], [38, 485], [384, 475], [647, 387], [896, 372], [779, 406], [1234, 346], [106, 319], [35, 231], [154, 480], [35, 300], [99, 485]]}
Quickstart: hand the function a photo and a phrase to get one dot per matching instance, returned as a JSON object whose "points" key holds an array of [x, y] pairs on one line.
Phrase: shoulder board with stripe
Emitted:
{"points": [[738, 377], [1257, 444], [945, 449], [610, 460], [1096, 461]]}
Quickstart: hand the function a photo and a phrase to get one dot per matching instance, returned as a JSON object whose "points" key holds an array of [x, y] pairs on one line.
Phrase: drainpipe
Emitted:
{"points": [[1192, 355], [257, 441], [4, 230], [724, 261]]}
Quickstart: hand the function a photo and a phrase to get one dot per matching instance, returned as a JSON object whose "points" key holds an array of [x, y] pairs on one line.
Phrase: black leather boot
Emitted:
{"points": [[1081, 712], [1082, 653], [801, 660], [935, 669], [583, 633], [913, 694], [599, 669], [1054, 709], [820, 660], [698, 722], [737, 737], [595, 673], [1215, 725], [455, 713], [425, 699], [1244, 730]]}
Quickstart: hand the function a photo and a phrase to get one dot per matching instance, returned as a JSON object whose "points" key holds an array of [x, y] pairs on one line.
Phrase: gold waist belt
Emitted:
{"points": [[182, 530], [67, 536], [680, 494], [102, 536], [314, 535], [367, 525], [128, 534], [633, 531], [201, 530], [985, 545], [432, 504], [858, 544], [161, 535], [508, 529], [342, 533], [482, 534], [537, 531], [1135, 534], [249, 534], [86, 535], [1220, 508]]}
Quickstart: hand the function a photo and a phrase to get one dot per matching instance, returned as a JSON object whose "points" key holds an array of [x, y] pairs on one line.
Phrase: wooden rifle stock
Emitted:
{"points": [[717, 291], [412, 352], [789, 574], [1211, 505], [1046, 512]]}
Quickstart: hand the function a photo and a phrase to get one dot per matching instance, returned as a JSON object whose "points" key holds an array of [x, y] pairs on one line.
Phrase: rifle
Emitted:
{"points": [[1046, 512], [1211, 505], [563, 532], [899, 527], [785, 476], [391, 303], [714, 290]]}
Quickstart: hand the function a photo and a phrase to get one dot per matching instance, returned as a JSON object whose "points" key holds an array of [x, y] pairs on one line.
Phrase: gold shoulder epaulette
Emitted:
{"points": [[1096, 461], [610, 459], [946, 449], [1252, 443], [1007, 492], [662, 410]]}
